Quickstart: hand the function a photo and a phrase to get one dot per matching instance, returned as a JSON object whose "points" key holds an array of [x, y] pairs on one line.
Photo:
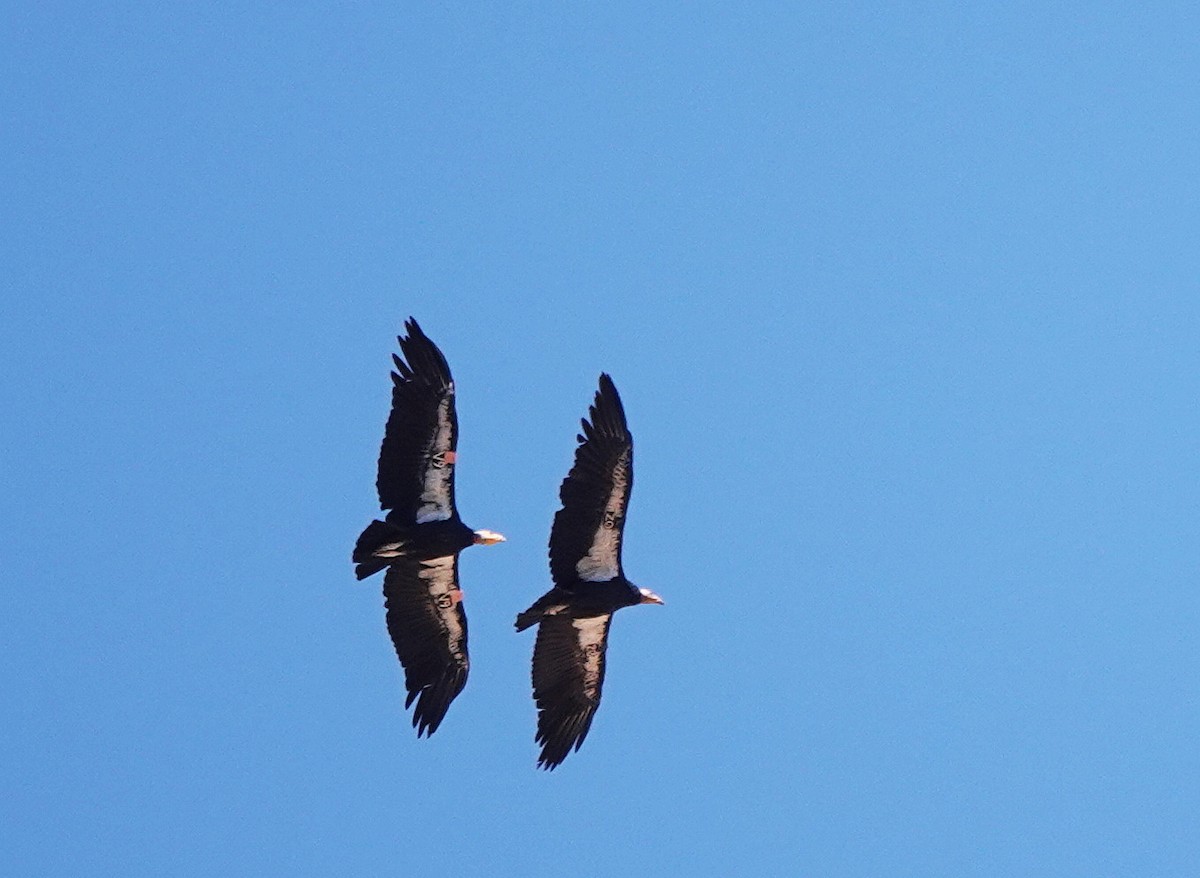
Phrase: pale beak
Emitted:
{"points": [[649, 597], [488, 538]]}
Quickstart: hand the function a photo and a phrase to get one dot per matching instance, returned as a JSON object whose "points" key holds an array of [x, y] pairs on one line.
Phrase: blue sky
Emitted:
{"points": [[903, 304]]}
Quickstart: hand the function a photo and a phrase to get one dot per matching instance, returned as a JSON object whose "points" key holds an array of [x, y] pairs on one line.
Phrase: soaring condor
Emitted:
{"points": [[589, 582], [419, 540]]}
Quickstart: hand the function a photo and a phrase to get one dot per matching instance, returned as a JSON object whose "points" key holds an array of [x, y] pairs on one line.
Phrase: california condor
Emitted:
{"points": [[419, 540], [589, 582]]}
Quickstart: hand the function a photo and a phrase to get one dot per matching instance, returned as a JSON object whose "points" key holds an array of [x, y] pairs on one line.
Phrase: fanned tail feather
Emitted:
{"points": [[528, 618], [376, 535]]}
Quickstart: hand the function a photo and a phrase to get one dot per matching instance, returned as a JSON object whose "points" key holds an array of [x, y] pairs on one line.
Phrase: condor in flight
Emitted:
{"points": [[419, 540], [589, 582]]}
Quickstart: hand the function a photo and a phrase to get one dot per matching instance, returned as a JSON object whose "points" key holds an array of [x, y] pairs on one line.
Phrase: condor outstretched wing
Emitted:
{"points": [[416, 460], [429, 630], [568, 673], [585, 541]]}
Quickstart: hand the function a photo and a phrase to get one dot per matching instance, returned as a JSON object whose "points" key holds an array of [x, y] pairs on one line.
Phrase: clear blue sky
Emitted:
{"points": [[904, 304]]}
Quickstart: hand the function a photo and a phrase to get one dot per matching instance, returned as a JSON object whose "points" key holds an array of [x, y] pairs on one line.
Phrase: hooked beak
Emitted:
{"points": [[488, 538], [649, 597]]}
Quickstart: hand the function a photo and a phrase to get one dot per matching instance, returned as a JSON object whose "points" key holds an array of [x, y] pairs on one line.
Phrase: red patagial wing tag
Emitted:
{"points": [[450, 457], [456, 596]]}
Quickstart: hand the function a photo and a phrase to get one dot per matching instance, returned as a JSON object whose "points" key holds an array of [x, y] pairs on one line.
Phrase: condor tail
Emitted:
{"points": [[377, 546], [548, 603]]}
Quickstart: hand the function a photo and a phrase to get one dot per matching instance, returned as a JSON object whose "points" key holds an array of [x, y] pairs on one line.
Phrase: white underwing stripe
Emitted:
{"points": [[436, 499], [438, 575], [432, 512], [591, 632], [600, 563], [603, 559]]}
